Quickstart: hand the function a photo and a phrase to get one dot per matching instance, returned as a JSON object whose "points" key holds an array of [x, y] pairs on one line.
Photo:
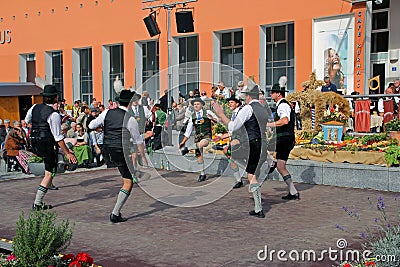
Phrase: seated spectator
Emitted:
{"points": [[17, 156], [4, 131], [82, 150], [71, 133]]}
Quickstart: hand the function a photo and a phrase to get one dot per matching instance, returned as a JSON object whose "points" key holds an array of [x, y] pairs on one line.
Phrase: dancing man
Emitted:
{"points": [[201, 121], [284, 122], [254, 118], [45, 135], [119, 127]]}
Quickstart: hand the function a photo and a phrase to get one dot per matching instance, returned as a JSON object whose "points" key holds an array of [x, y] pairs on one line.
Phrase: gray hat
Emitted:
{"points": [[252, 91], [6, 121]]}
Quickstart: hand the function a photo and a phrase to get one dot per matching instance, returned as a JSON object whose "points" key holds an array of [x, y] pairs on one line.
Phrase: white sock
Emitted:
{"points": [[289, 182]]}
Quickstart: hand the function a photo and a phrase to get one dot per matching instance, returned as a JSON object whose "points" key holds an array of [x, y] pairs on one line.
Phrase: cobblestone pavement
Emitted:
{"points": [[218, 234]]}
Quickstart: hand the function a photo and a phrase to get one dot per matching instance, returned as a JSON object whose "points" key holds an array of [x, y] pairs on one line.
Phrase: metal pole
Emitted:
{"points": [[169, 94]]}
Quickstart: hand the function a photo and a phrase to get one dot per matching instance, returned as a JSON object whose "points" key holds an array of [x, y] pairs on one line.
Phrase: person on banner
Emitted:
{"points": [[119, 128], [46, 136], [284, 123], [254, 118], [201, 122], [143, 116], [234, 145]]}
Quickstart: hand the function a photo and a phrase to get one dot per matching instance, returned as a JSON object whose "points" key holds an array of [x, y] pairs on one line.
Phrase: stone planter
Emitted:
{"points": [[36, 169]]}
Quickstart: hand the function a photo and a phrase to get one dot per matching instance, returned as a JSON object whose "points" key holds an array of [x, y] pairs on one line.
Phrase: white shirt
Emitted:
{"points": [[380, 103], [132, 126], [189, 128], [54, 121], [243, 115], [283, 110], [226, 93], [147, 112]]}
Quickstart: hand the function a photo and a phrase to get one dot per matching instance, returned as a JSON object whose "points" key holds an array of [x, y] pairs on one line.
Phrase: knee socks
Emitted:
{"points": [[289, 182], [256, 190], [122, 197], [41, 192]]}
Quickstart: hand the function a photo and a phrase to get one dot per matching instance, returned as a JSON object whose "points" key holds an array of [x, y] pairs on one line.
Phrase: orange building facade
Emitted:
{"points": [[81, 46]]}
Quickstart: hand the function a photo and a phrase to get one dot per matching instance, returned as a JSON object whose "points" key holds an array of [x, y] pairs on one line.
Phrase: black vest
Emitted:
{"points": [[256, 125], [116, 134], [288, 129], [40, 128]]}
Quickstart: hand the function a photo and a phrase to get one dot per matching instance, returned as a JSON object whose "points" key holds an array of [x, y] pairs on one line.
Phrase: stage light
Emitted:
{"points": [[184, 21], [151, 24]]}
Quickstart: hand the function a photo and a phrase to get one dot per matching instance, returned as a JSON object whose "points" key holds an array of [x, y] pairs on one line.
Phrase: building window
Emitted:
{"points": [[280, 54], [116, 67], [380, 27], [86, 75], [232, 57], [57, 71], [188, 64], [150, 67]]}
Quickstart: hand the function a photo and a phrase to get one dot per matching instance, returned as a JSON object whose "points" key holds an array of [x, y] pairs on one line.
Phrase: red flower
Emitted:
{"points": [[84, 257], [75, 263], [369, 263], [11, 258], [68, 257], [347, 265]]}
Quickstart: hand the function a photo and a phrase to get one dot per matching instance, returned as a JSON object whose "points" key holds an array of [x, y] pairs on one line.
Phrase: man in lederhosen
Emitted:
{"points": [[142, 114], [254, 118], [285, 139], [201, 121], [119, 127], [234, 144], [45, 135]]}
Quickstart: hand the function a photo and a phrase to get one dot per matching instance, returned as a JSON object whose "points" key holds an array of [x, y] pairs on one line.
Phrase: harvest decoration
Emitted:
{"points": [[312, 98]]}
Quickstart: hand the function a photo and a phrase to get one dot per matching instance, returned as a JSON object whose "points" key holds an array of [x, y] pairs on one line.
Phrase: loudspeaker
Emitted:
{"points": [[151, 25], [184, 21]]}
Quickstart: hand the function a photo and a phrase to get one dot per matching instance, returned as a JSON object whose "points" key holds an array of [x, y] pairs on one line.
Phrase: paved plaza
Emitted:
{"points": [[218, 234]]}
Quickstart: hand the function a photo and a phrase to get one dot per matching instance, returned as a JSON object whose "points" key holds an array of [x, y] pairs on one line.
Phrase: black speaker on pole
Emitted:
{"points": [[151, 25], [184, 21]]}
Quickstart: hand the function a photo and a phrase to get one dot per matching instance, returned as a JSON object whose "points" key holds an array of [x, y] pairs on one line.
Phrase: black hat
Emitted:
{"points": [[125, 96], [253, 91], [198, 99], [49, 90], [233, 98], [277, 89]]}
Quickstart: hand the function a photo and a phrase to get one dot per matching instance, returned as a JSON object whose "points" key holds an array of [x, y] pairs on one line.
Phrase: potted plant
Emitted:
{"points": [[393, 127]]}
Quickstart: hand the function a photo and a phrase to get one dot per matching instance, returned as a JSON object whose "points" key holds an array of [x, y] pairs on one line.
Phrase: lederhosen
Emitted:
{"points": [[255, 128], [117, 140], [202, 127], [42, 140], [285, 138]]}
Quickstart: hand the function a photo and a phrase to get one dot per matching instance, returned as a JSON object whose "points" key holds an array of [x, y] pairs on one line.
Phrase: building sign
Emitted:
{"points": [[5, 36], [359, 41]]}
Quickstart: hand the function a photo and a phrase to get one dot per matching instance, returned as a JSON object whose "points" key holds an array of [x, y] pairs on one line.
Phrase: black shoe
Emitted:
{"points": [[41, 207], [273, 167], [117, 219], [53, 187], [259, 214], [292, 197], [202, 177], [184, 151], [71, 167], [238, 185]]}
